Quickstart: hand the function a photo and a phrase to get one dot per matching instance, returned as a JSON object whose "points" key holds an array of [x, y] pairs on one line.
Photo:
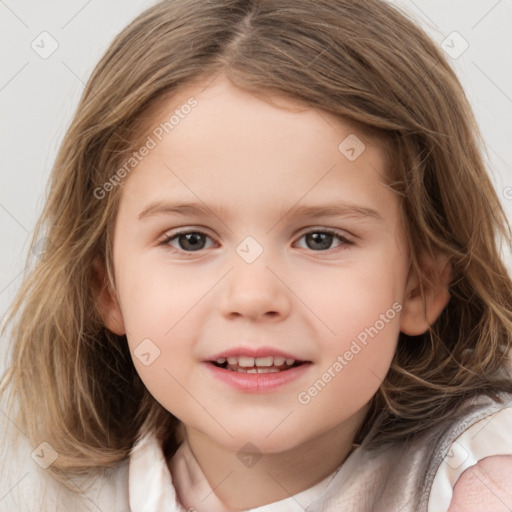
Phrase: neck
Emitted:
{"points": [[274, 476]]}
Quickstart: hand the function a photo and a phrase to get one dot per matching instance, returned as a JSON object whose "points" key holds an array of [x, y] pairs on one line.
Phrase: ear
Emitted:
{"points": [[420, 312], [107, 304]]}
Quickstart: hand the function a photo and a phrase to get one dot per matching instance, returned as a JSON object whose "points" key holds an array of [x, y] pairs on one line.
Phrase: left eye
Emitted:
{"points": [[322, 240]]}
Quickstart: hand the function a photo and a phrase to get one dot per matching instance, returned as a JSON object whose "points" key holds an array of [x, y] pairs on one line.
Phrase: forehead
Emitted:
{"points": [[235, 144], [218, 97]]}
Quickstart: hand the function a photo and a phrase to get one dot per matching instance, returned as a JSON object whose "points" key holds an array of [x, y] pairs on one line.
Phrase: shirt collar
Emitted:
{"points": [[151, 486]]}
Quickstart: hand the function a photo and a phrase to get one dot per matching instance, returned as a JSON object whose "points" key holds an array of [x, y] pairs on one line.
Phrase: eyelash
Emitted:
{"points": [[344, 240]]}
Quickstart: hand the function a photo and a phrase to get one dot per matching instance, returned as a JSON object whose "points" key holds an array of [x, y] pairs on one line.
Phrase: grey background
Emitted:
{"points": [[38, 95]]}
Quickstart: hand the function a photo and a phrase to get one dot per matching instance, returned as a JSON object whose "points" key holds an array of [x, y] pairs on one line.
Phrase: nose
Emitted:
{"points": [[255, 292]]}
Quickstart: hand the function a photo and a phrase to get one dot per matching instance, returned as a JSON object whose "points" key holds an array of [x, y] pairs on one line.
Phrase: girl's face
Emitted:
{"points": [[252, 230]]}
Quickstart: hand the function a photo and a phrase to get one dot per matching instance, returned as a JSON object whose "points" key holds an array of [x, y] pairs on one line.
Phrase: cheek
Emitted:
{"points": [[352, 366], [353, 297], [359, 308], [158, 308], [155, 297]]}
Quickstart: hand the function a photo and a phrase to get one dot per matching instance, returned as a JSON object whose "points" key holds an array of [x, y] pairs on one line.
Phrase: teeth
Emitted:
{"points": [[264, 361], [246, 362], [258, 370], [268, 364], [249, 362]]}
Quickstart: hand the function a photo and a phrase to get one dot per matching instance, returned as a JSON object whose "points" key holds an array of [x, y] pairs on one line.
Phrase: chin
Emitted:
{"points": [[259, 441]]}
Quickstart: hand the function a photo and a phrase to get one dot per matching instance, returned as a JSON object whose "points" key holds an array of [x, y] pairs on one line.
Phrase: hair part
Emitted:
{"points": [[365, 62]]}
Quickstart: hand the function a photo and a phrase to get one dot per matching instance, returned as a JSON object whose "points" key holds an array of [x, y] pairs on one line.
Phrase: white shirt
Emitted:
{"points": [[143, 483], [152, 488]]}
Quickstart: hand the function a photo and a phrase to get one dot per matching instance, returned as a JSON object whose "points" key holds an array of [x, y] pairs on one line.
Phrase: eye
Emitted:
{"points": [[194, 240], [321, 240], [188, 241]]}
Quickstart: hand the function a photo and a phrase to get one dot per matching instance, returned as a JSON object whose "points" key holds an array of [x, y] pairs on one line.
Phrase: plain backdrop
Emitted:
{"points": [[39, 92]]}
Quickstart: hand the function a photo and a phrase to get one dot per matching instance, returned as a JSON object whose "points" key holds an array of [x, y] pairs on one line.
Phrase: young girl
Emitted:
{"points": [[271, 278]]}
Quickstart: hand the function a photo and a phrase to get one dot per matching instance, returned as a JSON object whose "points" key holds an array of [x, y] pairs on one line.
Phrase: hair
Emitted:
{"points": [[367, 63]]}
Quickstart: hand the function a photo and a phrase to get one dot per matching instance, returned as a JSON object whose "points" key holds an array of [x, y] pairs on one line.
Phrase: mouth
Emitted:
{"points": [[267, 364], [257, 369]]}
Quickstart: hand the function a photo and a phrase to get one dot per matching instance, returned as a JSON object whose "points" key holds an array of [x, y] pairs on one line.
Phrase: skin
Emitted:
{"points": [[485, 486], [307, 301]]}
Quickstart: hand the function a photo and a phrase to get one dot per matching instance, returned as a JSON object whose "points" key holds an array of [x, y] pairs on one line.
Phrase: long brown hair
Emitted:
{"points": [[364, 61]]}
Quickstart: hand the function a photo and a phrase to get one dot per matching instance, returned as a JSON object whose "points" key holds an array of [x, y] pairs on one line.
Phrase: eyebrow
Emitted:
{"points": [[324, 210]]}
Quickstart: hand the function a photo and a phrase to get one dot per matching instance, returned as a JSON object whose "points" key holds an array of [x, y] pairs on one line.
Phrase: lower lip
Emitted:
{"points": [[258, 382]]}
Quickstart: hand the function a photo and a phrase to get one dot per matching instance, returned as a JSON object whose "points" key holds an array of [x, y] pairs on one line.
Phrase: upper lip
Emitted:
{"points": [[254, 352]]}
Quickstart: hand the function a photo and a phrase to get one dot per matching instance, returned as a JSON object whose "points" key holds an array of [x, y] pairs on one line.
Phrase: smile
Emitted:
{"points": [[255, 378], [244, 364]]}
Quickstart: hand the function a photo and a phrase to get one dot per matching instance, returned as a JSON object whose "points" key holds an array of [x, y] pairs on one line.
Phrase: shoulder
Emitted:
{"points": [[485, 486], [473, 462]]}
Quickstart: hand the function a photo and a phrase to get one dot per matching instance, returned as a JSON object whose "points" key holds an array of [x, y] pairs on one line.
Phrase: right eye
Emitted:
{"points": [[186, 241]]}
